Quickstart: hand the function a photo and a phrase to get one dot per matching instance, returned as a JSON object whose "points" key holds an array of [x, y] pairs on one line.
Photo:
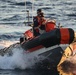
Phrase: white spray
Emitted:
{"points": [[18, 58]]}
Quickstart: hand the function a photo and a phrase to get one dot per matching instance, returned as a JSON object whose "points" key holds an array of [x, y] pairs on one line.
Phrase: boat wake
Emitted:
{"points": [[14, 57]]}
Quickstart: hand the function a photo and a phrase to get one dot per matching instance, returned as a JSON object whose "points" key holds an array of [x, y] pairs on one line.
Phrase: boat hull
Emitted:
{"points": [[51, 57], [48, 58], [49, 47]]}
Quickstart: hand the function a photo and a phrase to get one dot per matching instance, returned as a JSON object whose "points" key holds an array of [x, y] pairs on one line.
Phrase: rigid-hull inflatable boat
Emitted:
{"points": [[49, 45]]}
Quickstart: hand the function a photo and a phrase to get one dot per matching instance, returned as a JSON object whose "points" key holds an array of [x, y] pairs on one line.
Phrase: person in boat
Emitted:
{"points": [[41, 24], [36, 21]]}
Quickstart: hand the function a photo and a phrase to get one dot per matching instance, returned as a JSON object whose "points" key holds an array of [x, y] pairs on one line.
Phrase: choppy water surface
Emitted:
{"points": [[12, 16]]}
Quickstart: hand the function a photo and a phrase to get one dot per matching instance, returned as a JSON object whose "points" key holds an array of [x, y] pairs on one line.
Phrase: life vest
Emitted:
{"points": [[36, 21], [50, 26], [29, 34]]}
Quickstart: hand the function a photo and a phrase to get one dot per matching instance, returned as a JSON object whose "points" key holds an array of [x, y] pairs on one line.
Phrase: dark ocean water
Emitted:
{"points": [[27, 72], [12, 17]]}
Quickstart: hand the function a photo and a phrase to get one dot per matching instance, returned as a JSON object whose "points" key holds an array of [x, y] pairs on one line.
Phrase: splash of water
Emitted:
{"points": [[16, 57]]}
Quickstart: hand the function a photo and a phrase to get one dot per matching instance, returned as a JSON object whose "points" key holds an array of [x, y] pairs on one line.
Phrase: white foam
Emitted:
{"points": [[6, 43], [19, 59]]}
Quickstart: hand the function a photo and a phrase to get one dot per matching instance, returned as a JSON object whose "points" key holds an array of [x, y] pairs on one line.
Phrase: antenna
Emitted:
{"points": [[32, 8], [28, 16], [25, 13]]}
